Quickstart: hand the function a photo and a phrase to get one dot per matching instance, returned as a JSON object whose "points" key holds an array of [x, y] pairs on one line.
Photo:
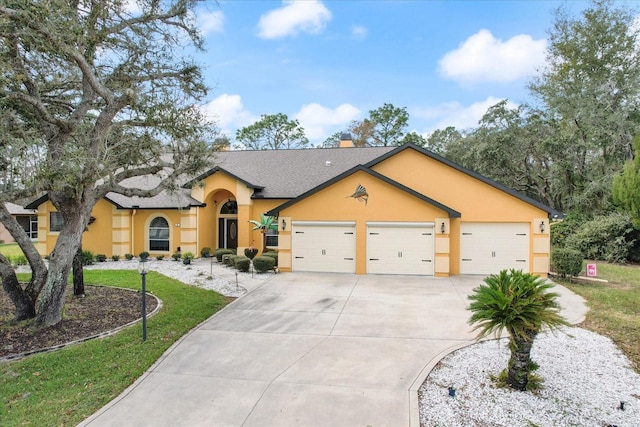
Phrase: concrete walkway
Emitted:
{"points": [[310, 350]]}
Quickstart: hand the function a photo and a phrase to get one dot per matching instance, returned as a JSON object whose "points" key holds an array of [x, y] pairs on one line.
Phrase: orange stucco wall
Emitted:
{"points": [[475, 200], [385, 203]]}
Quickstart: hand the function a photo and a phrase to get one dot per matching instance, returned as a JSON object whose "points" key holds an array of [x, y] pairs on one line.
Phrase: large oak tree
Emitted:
{"points": [[106, 90]]}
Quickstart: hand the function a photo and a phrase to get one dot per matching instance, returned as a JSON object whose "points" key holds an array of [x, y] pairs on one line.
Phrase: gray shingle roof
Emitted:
{"points": [[285, 174], [279, 174]]}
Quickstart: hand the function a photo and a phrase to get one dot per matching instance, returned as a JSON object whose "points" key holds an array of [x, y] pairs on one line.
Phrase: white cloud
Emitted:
{"points": [[482, 57], [212, 22], [359, 32], [459, 116], [320, 122], [229, 113], [309, 16]]}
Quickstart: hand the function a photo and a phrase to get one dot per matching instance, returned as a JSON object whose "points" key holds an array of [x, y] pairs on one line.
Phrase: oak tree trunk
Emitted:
{"points": [[24, 306], [52, 297]]}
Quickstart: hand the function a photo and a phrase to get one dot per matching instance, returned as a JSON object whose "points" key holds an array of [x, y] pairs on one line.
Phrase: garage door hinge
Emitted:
{"points": [[426, 260], [426, 234], [466, 259], [521, 234], [299, 232], [348, 232], [467, 234], [299, 257], [521, 260], [349, 259], [374, 234], [374, 259]]}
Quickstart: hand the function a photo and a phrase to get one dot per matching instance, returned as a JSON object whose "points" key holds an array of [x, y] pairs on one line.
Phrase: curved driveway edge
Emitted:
{"points": [[308, 349]]}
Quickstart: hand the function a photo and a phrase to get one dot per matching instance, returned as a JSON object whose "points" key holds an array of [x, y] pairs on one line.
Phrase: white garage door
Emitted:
{"points": [[400, 248], [487, 248], [323, 246]]}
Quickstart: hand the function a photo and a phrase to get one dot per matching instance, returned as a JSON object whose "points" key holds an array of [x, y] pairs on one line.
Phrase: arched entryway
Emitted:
{"points": [[228, 225]]}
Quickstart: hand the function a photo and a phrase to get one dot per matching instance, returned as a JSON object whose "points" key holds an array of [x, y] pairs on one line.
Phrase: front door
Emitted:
{"points": [[227, 233]]}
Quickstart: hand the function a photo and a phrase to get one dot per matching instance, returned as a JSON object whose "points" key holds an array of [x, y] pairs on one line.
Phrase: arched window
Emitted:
{"points": [[229, 208], [159, 234]]}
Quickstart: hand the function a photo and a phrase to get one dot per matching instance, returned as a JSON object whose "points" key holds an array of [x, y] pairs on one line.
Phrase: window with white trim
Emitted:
{"points": [[272, 238], [159, 234]]}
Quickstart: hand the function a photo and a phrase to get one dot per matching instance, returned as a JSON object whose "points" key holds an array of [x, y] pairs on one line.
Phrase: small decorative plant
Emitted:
{"points": [[187, 257], [128, 257], [159, 257], [251, 252], [176, 256], [115, 257], [101, 257], [144, 255], [205, 252]]}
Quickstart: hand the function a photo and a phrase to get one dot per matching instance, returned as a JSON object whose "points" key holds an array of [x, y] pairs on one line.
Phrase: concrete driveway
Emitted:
{"points": [[310, 350]]}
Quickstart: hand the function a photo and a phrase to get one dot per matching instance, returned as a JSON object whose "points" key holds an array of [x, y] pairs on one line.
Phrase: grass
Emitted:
{"points": [[65, 387], [614, 306], [10, 250]]}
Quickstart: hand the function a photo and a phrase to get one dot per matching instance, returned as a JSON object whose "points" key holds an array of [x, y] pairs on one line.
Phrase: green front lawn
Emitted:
{"points": [[614, 306], [10, 250], [66, 386]]}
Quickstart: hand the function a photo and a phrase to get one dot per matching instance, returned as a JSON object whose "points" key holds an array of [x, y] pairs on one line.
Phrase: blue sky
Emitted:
{"points": [[327, 63]]}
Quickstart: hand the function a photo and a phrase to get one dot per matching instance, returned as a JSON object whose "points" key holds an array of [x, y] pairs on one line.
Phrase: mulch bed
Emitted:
{"points": [[101, 310]]}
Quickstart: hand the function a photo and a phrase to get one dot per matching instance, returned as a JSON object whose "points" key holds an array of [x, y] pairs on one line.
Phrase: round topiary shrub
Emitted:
{"points": [[220, 252], [272, 254], [566, 262], [243, 264], [264, 263]]}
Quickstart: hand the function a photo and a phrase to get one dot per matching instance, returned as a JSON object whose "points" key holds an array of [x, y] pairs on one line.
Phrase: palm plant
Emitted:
{"points": [[522, 304], [266, 223]]}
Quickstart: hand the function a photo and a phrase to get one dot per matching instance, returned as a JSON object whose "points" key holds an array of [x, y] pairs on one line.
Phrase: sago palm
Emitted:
{"points": [[522, 304], [266, 223]]}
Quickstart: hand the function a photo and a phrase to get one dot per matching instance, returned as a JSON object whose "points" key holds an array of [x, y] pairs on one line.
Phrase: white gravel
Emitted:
{"points": [[200, 273], [586, 377]]}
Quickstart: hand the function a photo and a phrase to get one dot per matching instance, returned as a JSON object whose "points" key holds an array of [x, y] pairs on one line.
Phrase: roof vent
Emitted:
{"points": [[327, 163]]}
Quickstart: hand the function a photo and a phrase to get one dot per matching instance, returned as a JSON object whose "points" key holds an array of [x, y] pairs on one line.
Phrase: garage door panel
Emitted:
{"points": [[323, 248], [487, 248], [396, 249]]}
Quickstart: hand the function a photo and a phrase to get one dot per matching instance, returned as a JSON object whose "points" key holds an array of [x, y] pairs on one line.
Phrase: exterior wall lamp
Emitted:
{"points": [[284, 224], [442, 228], [542, 226]]}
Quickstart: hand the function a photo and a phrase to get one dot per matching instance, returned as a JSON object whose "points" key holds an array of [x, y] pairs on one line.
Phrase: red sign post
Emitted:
{"points": [[592, 270]]}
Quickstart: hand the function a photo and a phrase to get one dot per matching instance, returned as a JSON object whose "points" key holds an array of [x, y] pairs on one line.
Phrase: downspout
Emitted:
{"points": [[133, 230], [198, 228]]}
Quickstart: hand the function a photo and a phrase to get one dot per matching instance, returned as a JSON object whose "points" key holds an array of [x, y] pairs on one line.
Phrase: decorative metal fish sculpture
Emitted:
{"points": [[360, 194]]}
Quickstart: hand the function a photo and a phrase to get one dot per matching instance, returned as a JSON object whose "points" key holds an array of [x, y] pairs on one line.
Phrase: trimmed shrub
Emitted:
{"points": [[243, 264], [273, 255], [264, 263], [566, 262], [205, 252], [87, 257], [128, 257], [235, 258], [608, 238], [159, 257], [101, 257], [143, 255], [176, 256], [115, 257], [225, 258], [220, 252]]}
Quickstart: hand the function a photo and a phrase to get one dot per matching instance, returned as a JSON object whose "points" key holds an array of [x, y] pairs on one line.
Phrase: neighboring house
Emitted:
{"points": [[27, 218], [375, 210]]}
